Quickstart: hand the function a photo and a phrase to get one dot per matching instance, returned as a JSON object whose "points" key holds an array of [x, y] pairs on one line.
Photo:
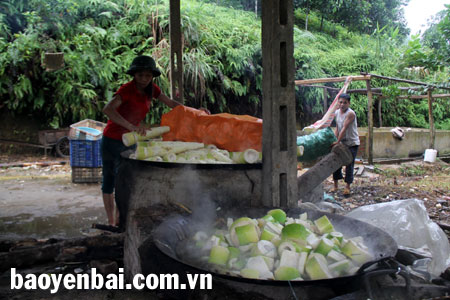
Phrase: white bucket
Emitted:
{"points": [[430, 155]]}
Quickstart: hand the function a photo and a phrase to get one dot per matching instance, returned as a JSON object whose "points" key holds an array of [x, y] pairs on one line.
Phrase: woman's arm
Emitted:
{"points": [[110, 110], [167, 101], [172, 103]]}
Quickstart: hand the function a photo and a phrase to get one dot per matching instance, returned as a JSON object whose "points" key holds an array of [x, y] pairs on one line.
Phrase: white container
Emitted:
{"points": [[87, 130], [430, 155]]}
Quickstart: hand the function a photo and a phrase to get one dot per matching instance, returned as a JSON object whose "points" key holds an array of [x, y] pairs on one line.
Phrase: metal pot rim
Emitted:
{"points": [[125, 155], [390, 245]]}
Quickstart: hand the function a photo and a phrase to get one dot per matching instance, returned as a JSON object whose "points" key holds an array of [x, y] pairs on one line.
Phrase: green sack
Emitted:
{"points": [[316, 144]]}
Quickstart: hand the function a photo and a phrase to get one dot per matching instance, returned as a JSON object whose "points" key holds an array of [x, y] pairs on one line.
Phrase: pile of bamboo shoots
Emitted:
{"points": [[279, 247], [152, 148]]}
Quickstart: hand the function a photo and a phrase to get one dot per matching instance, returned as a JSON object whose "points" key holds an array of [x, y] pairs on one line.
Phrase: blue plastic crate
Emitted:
{"points": [[84, 153]]}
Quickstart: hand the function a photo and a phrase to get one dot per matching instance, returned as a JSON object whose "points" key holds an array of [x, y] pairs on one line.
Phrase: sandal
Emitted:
{"points": [[346, 191]]}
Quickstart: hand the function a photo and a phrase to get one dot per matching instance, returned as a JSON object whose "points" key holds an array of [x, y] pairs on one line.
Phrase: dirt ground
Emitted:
{"points": [[429, 182], [39, 200]]}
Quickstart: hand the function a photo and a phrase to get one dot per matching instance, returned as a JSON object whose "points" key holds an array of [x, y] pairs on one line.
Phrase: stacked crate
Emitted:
{"points": [[85, 155]]}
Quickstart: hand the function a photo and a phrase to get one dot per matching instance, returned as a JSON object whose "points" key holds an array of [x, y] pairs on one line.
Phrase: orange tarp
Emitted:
{"points": [[226, 131]]}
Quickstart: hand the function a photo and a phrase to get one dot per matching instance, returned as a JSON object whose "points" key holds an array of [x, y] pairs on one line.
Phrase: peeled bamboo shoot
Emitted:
{"points": [[133, 137]]}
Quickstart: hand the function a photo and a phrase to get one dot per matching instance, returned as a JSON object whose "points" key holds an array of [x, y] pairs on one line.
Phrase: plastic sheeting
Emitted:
{"points": [[234, 133], [407, 221], [316, 144]]}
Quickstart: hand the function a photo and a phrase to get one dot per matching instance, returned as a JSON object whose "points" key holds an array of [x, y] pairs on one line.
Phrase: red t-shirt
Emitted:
{"points": [[134, 108]]}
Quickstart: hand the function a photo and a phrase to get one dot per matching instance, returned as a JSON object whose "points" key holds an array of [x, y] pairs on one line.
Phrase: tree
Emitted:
{"points": [[307, 5], [437, 36], [352, 14], [358, 15], [387, 12]]}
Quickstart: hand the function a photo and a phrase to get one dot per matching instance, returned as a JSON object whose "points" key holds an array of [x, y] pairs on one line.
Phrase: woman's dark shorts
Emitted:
{"points": [[110, 149]]}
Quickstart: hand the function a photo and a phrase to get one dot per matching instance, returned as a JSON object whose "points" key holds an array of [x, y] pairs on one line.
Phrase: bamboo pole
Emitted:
{"points": [[424, 96], [380, 117], [332, 79], [325, 99], [430, 118], [370, 121], [176, 52], [375, 91], [321, 86], [378, 90], [363, 91], [405, 81]]}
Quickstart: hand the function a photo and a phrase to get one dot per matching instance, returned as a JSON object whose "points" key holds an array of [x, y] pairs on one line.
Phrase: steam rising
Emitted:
{"points": [[177, 229]]}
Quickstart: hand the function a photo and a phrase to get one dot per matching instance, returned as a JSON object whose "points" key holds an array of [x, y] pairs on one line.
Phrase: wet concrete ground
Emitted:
{"points": [[39, 202]]}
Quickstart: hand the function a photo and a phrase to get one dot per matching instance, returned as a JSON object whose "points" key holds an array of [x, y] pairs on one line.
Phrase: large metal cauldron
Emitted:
{"points": [[170, 234], [144, 183]]}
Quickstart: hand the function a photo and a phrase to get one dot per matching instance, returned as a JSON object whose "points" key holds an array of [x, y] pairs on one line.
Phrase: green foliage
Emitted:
{"points": [[222, 60], [414, 113], [411, 171], [315, 23], [354, 15], [441, 113], [417, 55], [437, 37], [403, 170], [100, 38]]}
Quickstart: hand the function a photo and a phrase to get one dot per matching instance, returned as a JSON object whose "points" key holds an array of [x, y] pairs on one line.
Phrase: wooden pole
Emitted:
{"points": [[334, 79], [325, 99], [430, 118], [339, 156], [377, 91], [424, 96], [176, 52], [406, 81], [380, 117], [321, 86], [370, 121]]}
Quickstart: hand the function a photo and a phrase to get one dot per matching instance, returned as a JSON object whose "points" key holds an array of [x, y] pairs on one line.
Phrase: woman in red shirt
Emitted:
{"points": [[126, 110]]}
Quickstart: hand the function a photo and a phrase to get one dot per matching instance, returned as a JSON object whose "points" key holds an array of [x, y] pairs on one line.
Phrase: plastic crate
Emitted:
{"points": [[84, 153], [86, 175], [87, 130]]}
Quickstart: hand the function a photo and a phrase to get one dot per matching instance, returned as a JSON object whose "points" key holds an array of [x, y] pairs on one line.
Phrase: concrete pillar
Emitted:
{"points": [[176, 52], [279, 132]]}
